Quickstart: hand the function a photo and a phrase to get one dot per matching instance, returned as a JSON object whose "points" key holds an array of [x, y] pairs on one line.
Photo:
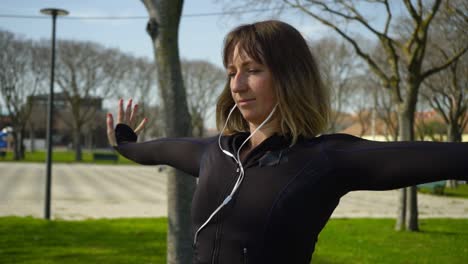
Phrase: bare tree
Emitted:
{"points": [[140, 84], [37, 121], [403, 54], [363, 111], [84, 72], [446, 90], [338, 64], [447, 94], [203, 81], [433, 129], [374, 108], [155, 126], [386, 112], [22, 72], [163, 28], [361, 96]]}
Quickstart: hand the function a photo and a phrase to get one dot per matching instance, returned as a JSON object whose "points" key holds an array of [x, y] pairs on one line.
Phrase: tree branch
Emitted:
{"points": [[357, 16], [389, 17], [414, 14], [445, 65], [374, 67]]}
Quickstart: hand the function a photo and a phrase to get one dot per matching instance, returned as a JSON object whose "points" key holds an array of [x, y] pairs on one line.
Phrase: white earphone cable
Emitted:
{"points": [[238, 162]]}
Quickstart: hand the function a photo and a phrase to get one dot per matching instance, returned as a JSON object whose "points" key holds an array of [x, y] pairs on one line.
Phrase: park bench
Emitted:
{"points": [[105, 156]]}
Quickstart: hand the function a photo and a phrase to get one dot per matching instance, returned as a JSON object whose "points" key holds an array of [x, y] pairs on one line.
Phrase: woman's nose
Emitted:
{"points": [[238, 83]]}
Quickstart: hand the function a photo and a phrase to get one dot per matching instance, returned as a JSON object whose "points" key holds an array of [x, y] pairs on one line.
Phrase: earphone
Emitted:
{"points": [[240, 168]]}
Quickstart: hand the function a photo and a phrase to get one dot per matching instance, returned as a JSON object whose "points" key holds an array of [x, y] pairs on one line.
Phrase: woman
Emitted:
{"points": [[269, 183]]}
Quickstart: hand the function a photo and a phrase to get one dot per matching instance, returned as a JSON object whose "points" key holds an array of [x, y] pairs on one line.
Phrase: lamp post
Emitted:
{"points": [[54, 12]]}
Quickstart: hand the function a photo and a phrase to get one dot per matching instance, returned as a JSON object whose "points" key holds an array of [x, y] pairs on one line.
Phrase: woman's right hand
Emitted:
{"points": [[127, 117]]}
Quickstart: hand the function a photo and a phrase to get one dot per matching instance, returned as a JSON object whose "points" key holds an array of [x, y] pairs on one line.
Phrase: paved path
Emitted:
{"points": [[82, 191]]}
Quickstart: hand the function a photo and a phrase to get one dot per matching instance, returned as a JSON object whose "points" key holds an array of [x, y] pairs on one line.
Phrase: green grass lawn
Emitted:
{"points": [[375, 241], [64, 157], [28, 240], [461, 191]]}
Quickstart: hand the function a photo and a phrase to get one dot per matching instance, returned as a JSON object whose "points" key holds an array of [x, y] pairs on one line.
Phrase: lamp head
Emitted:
{"points": [[54, 12]]}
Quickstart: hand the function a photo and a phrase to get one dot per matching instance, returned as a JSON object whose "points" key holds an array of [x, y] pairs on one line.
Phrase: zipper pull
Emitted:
{"points": [[245, 256]]}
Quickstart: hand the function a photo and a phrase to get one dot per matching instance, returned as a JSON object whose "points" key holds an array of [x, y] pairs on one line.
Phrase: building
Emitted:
{"points": [[93, 134]]}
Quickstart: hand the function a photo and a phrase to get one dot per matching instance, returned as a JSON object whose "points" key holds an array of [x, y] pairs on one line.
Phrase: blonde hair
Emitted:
{"points": [[303, 102]]}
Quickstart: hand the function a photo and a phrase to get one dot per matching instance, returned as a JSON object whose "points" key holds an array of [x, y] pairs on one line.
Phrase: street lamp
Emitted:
{"points": [[54, 12]]}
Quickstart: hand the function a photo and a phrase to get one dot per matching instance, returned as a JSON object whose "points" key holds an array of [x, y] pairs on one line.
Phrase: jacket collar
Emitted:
{"points": [[273, 143]]}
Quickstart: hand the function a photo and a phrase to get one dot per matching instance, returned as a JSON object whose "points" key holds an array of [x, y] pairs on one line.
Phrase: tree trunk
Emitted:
{"points": [[401, 219], [15, 143], [451, 184], [197, 123], [16, 153], [18, 138], [199, 130], [180, 189], [453, 135], [22, 146], [406, 134], [163, 29], [412, 209], [406, 112], [77, 144], [454, 132], [89, 140], [32, 138]]}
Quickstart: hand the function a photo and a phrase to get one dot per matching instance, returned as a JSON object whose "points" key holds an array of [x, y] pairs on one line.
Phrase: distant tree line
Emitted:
{"points": [[85, 72]]}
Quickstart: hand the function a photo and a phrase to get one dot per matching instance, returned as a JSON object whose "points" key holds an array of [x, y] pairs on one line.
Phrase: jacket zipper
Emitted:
{"points": [[215, 250], [218, 227], [245, 256]]}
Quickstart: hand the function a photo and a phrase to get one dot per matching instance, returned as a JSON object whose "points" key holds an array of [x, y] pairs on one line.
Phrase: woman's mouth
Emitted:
{"points": [[244, 102]]}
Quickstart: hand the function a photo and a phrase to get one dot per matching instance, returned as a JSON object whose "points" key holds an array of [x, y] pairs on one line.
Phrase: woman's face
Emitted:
{"points": [[251, 87]]}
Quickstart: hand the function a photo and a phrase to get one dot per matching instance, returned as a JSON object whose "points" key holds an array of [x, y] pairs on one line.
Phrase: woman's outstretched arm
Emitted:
{"points": [[370, 165], [182, 153]]}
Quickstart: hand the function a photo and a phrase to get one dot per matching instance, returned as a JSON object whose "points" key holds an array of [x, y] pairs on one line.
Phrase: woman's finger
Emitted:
{"points": [[128, 112], [110, 130], [133, 116], [120, 112], [141, 126]]}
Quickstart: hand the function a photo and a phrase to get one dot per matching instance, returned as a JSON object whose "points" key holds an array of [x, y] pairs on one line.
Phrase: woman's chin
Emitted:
{"points": [[252, 118]]}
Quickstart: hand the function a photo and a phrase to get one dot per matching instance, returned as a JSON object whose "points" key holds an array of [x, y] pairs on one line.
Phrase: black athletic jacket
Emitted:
{"points": [[288, 193]]}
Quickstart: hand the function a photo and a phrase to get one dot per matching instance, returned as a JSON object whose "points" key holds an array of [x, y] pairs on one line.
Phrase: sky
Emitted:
{"points": [[200, 37]]}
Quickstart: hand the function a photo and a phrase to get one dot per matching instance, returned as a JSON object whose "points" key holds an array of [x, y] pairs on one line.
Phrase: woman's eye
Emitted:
{"points": [[231, 74], [253, 70]]}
